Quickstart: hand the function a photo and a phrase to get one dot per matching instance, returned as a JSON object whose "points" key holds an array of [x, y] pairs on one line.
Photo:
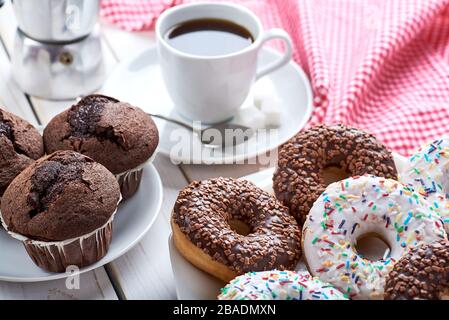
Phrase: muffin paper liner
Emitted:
{"points": [[56, 256], [129, 180]]}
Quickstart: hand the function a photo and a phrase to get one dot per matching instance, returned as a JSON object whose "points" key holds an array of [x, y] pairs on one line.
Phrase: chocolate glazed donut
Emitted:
{"points": [[298, 180], [422, 273], [206, 215]]}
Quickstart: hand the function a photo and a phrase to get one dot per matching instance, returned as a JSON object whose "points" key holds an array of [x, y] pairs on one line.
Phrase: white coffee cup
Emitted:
{"points": [[211, 89]]}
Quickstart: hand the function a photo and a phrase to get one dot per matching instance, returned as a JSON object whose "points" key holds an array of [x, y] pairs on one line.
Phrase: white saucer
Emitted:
{"points": [[133, 219], [195, 284], [139, 82]]}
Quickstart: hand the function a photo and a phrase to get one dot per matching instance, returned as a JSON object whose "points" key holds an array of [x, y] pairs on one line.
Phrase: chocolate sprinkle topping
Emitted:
{"points": [[422, 273], [204, 209], [298, 180]]}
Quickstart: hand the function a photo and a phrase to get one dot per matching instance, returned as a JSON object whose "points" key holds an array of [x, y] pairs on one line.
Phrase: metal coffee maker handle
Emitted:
{"points": [[56, 20]]}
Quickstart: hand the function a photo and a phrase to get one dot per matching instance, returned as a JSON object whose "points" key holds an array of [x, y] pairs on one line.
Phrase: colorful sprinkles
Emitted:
{"points": [[427, 173], [279, 285], [382, 206]]}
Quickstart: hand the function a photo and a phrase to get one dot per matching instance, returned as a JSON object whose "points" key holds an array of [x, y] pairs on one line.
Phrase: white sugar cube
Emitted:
{"points": [[251, 117], [269, 105]]}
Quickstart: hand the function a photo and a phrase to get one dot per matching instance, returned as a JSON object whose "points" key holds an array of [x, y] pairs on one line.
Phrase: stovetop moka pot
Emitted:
{"points": [[56, 20], [57, 49], [58, 71]]}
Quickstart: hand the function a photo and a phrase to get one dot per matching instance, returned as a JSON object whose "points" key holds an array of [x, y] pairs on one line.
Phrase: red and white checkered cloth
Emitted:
{"points": [[134, 15], [379, 65]]}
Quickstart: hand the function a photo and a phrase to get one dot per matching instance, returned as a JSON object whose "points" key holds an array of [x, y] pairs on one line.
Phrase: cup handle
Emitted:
{"points": [[276, 34]]}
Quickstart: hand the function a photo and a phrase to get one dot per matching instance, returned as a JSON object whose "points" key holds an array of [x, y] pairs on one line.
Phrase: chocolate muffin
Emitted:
{"points": [[20, 145], [116, 134], [62, 207]]}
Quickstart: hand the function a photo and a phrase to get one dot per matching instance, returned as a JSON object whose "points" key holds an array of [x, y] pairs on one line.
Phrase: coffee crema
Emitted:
{"points": [[209, 37]]}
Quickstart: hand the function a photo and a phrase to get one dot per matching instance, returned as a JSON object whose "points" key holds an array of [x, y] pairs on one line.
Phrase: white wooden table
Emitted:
{"points": [[145, 271]]}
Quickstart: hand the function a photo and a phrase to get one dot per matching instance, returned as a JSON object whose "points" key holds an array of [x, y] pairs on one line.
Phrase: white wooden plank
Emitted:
{"points": [[8, 24], [145, 272], [93, 285], [11, 98], [127, 44]]}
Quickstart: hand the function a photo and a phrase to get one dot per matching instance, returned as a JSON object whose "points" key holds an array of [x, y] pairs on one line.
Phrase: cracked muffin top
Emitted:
{"points": [[20, 145], [113, 133], [61, 196]]}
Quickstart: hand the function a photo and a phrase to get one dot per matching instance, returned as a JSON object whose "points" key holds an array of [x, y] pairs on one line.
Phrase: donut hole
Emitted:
{"points": [[372, 246], [334, 173], [239, 226]]}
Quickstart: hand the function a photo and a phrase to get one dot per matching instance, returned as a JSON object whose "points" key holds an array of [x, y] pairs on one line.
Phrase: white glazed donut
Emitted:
{"points": [[427, 172], [358, 206], [279, 285]]}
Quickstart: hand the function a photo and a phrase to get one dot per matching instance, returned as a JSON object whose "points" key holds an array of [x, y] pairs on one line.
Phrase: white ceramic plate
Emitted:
{"points": [[139, 82], [195, 284], [133, 219]]}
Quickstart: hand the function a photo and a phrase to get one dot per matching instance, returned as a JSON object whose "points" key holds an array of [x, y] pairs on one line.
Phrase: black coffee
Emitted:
{"points": [[209, 37]]}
